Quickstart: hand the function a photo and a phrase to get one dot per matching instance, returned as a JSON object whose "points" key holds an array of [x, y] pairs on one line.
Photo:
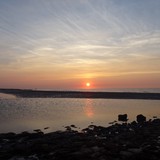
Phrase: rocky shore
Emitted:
{"points": [[138, 140]]}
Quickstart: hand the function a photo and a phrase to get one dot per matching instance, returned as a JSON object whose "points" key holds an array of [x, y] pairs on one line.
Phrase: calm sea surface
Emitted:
{"points": [[27, 114]]}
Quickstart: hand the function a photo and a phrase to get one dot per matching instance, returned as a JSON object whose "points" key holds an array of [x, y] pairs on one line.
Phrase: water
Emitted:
{"points": [[27, 114]]}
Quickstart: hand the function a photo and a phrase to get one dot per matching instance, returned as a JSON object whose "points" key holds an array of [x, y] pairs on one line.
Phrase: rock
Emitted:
{"points": [[73, 126], [83, 151], [122, 117], [46, 128], [5, 140], [126, 153], [68, 128], [33, 157], [9, 135], [117, 142], [141, 118], [37, 130], [135, 150], [17, 158], [86, 150], [95, 148]]}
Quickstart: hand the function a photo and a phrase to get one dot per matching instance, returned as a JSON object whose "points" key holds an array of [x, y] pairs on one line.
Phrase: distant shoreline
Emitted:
{"points": [[24, 93]]}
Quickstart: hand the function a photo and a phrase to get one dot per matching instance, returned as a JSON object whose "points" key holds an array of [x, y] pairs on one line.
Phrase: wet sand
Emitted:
{"points": [[80, 94]]}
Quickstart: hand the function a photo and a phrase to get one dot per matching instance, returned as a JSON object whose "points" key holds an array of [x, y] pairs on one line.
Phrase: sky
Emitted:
{"points": [[63, 44]]}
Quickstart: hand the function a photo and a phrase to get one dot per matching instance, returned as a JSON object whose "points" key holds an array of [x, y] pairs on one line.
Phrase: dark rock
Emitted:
{"points": [[17, 158], [73, 126], [126, 153], [33, 157], [154, 116], [37, 130], [9, 135], [46, 128], [135, 150], [122, 117], [134, 141], [141, 118]]}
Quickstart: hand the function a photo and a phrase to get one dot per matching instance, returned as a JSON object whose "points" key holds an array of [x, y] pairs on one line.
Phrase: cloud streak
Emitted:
{"points": [[78, 36]]}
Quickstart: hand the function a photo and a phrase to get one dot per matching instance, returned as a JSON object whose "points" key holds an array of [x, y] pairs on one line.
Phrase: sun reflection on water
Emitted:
{"points": [[88, 108]]}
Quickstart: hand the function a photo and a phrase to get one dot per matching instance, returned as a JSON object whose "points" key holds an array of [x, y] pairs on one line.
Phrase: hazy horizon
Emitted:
{"points": [[64, 44], [149, 90]]}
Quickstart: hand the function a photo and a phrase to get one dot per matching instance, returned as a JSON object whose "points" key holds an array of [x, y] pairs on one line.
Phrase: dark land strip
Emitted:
{"points": [[80, 94]]}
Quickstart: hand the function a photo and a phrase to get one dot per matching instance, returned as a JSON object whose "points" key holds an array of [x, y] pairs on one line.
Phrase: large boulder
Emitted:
{"points": [[122, 117], [141, 118]]}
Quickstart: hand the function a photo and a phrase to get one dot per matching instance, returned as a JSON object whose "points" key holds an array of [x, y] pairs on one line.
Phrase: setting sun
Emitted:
{"points": [[88, 84]]}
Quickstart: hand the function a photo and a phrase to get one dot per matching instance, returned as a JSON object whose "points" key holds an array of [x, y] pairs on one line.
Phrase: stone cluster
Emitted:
{"points": [[138, 140]]}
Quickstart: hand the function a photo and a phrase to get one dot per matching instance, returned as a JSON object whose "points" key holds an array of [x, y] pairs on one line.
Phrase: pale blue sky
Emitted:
{"points": [[96, 38]]}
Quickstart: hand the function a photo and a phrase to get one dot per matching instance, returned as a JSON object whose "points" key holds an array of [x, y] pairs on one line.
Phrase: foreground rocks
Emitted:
{"points": [[141, 118], [134, 141], [122, 117]]}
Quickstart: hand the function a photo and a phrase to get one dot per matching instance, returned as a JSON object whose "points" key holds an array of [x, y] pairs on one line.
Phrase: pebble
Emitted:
{"points": [[126, 153], [17, 158], [135, 150], [33, 157], [95, 148]]}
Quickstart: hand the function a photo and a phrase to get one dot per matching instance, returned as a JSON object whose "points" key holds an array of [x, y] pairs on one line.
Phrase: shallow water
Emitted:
{"points": [[7, 96], [27, 114]]}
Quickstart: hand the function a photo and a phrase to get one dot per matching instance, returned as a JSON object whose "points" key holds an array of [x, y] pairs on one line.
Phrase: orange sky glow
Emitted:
{"points": [[62, 45]]}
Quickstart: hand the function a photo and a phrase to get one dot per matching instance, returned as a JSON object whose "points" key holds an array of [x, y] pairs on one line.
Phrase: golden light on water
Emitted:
{"points": [[88, 108]]}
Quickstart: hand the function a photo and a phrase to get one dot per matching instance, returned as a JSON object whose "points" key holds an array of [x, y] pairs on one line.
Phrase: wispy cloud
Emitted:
{"points": [[101, 37]]}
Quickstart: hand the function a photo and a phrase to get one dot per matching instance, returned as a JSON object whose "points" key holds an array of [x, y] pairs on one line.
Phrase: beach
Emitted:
{"points": [[137, 140], [79, 80], [122, 139]]}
